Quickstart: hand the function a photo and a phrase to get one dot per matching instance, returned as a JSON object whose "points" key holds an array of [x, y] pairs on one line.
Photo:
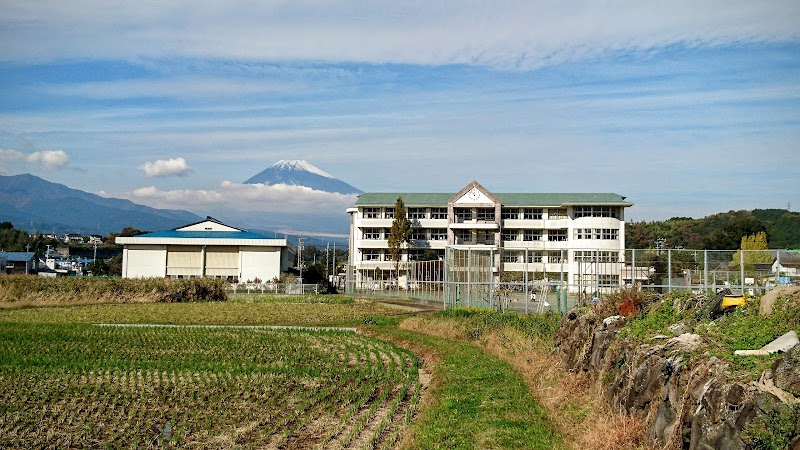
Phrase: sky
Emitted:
{"points": [[686, 108]]}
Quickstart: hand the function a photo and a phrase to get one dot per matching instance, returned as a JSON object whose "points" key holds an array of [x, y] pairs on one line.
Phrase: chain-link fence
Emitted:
{"points": [[532, 282]]}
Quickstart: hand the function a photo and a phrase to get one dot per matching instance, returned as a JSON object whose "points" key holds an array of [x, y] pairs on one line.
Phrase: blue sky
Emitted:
{"points": [[687, 109]]}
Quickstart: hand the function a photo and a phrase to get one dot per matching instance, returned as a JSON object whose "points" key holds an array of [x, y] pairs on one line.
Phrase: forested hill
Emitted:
{"points": [[721, 231]]}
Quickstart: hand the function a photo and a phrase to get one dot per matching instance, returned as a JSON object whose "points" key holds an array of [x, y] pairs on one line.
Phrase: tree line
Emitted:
{"points": [[723, 231]]}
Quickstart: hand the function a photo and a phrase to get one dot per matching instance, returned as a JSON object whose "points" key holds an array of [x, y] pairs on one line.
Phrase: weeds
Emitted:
{"points": [[27, 290]]}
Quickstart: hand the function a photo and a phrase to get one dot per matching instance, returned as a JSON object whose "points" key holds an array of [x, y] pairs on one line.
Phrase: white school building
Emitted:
{"points": [[546, 234]]}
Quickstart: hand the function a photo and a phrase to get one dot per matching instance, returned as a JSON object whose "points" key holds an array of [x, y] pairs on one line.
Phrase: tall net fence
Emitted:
{"points": [[479, 278]]}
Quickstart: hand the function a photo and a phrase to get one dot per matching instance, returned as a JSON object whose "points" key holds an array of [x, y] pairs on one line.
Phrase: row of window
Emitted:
{"points": [[510, 256], [488, 214], [412, 213], [384, 255], [596, 233], [596, 211], [440, 234], [417, 234]]}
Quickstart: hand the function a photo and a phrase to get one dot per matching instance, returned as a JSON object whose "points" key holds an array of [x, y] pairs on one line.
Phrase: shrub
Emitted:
{"points": [[20, 290]]}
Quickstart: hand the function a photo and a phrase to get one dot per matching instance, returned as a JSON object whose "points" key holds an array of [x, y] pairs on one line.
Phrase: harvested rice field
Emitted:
{"points": [[70, 385]]}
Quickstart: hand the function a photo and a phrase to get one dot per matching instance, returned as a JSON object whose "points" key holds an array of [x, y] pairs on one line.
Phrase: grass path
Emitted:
{"points": [[474, 401]]}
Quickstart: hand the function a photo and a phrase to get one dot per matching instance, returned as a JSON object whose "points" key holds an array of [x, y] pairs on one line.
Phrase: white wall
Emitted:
{"points": [[260, 262], [143, 261]]}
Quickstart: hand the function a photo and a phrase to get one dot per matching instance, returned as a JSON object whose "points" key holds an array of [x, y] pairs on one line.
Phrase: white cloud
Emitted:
{"points": [[166, 168], [237, 197], [515, 33], [45, 159]]}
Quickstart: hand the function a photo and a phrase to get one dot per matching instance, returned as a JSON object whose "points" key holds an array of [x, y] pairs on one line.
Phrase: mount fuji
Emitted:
{"points": [[302, 173]]}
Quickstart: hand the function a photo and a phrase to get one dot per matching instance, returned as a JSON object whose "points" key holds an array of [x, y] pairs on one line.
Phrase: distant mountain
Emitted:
{"points": [[302, 173], [31, 203]]}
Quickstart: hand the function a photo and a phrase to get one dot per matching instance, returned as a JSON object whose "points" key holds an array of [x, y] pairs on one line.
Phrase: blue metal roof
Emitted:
{"points": [[204, 235], [17, 256]]}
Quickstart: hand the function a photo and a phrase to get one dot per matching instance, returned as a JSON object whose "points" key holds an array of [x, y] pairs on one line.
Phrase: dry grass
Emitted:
{"points": [[574, 404], [18, 291]]}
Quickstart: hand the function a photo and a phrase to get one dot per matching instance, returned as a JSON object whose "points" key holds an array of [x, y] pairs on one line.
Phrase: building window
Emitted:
{"points": [[486, 214], [512, 257], [535, 257], [532, 235], [371, 255], [596, 211], [418, 234], [557, 235], [510, 235], [372, 233], [533, 214], [485, 237], [596, 233], [463, 214], [439, 234], [438, 213], [557, 213], [372, 213], [610, 233], [388, 213], [595, 256], [465, 235], [416, 213], [510, 213]]}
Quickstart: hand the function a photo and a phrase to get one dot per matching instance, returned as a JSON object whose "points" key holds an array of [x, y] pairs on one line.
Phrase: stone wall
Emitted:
{"points": [[686, 405]]}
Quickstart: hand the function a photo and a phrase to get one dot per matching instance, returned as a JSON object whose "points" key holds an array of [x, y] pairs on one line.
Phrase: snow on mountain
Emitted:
{"points": [[302, 173]]}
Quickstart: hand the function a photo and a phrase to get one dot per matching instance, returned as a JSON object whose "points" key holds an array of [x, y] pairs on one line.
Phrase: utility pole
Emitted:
{"points": [[300, 257]]}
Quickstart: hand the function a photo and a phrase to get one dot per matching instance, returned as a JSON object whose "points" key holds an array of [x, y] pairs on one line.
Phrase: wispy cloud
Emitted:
{"points": [[519, 34], [45, 159], [229, 196], [166, 168]]}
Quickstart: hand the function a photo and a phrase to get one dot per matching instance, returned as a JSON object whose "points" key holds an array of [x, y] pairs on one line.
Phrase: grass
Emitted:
{"points": [[740, 329], [477, 401], [216, 313], [88, 381]]}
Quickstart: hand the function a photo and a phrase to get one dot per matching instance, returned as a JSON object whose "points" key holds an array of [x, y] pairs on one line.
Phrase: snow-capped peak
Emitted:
{"points": [[299, 164]]}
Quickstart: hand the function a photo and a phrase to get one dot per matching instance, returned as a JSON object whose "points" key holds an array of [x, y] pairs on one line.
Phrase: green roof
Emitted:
{"points": [[417, 199]]}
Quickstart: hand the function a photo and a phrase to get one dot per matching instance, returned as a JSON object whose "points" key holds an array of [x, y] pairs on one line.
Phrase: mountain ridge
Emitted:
{"points": [[28, 201]]}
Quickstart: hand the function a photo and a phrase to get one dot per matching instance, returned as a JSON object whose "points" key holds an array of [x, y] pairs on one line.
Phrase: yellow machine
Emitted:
{"points": [[731, 300]]}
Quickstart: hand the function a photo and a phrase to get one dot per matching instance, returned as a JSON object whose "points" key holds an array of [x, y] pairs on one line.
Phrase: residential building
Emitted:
{"points": [[95, 239], [19, 262], [73, 238], [581, 235], [208, 248]]}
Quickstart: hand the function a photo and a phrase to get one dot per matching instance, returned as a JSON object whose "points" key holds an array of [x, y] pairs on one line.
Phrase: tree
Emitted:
{"points": [[751, 246], [399, 235]]}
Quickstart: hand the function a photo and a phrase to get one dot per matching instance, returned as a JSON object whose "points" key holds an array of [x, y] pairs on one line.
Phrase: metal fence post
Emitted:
{"points": [[741, 269], [669, 270]]}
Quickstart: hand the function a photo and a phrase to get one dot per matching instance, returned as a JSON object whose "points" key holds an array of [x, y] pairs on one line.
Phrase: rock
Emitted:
{"points": [[779, 345], [677, 329], [786, 372], [768, 300], [613, 323], [686, 341]]}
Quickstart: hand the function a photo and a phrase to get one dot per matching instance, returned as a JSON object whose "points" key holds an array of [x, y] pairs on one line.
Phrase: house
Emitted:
{"points": [[787, 264], [549, 234], [95, 239], [208, 248], [19, 262], [72, 238]]}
